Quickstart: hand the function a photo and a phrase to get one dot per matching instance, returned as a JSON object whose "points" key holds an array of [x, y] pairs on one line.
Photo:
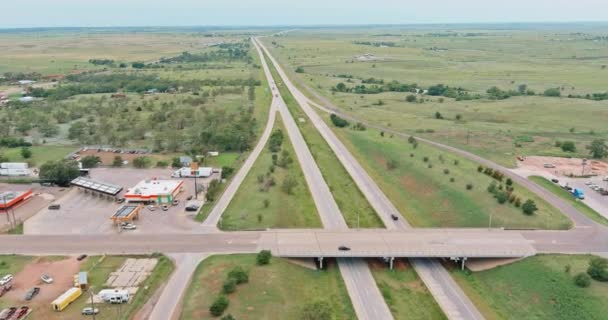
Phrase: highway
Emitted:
{"points": [[365, 295], [445, 286]]}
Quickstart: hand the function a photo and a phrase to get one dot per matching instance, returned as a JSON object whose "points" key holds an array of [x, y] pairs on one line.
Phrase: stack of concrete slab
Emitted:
{"points": [[132, 273]]}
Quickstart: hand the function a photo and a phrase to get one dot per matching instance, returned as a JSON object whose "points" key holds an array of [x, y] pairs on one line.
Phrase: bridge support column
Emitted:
{"points": [[462, 264], [391, 261], [321, 263]]}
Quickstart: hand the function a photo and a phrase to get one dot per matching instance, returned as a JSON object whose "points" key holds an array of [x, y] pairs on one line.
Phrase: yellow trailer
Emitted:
{"points": [[66, 298]]}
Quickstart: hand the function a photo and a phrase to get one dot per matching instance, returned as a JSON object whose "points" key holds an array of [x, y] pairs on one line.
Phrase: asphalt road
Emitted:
{"points": [[365, 295], [445, 287]]}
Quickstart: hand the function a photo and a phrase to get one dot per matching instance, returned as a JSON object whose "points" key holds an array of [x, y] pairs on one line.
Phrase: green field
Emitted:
{"points": [[40, 154], [247, 209], [276, 291], [405, 294], [472, 59], [426, 196], [536, 288], [354, 207], [579, 205]]}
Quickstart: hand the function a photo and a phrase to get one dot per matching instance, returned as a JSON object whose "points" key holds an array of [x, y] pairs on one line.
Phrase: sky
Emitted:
{"points": [[104, 13]]}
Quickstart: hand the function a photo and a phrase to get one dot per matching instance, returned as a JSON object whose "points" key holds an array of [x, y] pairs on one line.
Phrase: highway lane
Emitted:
{"points": [[445, 289], [365, 295]]}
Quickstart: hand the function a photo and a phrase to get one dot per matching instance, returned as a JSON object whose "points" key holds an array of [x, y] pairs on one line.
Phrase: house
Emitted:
{"points": [[26, 82], [185, 161]]}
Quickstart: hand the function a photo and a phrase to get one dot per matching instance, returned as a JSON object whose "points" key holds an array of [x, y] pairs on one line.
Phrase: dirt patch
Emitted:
{"points": [[62, 271], [564, 166], [476, 265]]}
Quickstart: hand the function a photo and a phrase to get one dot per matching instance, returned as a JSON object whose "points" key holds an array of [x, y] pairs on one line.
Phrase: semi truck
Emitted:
{"points": [[189, 173], [66, 298]]}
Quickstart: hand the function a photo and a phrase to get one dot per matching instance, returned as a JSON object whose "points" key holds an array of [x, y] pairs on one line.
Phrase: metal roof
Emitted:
{"points": [[125, 211], [97, 186]]}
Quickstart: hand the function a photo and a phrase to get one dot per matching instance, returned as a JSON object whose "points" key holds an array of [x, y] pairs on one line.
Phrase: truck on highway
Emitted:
{"points": [[14, 172], [66, 298], [578, 193]]}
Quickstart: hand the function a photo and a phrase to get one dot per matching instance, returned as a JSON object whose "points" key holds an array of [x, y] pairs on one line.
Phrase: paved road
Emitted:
{"points": [[444, 289], [365, 295], [216, 213], [168, 306]]}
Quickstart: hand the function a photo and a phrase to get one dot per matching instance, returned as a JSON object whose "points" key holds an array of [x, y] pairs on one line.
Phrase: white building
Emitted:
{"points": [[155, 191]]}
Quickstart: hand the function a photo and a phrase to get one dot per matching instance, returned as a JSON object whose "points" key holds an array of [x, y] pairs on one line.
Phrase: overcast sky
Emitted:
{"points": [[88, 13]]}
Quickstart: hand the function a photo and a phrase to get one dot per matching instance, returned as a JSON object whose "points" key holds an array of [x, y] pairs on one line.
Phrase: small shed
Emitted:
{"points": [[185, 161], [82, 280]]}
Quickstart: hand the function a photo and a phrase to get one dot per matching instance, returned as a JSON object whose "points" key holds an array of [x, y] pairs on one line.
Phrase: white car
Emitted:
{"points": [[605, 178], [6, 279], [46, 278], [129, 226], [588, 183], [151, 207]]}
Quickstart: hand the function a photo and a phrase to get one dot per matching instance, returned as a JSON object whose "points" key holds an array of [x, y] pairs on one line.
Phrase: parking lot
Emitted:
{"points": [[42, 197], [84, 212], [593, 198]]}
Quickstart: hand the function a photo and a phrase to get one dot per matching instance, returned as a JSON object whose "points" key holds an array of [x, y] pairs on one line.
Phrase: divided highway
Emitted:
{"points": [[444, 288], [365, 295]]}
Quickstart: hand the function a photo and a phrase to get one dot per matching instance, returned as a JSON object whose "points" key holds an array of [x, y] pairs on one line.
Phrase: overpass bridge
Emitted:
{"points": [[315, 243]]}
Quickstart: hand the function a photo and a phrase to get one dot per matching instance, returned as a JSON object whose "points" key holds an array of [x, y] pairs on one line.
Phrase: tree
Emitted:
{"points": [[229, 286], [138, 65], [26, 153], [263, 257], [529, 207], [392, 164], [275, 140], [522, 89], [239, 275], [568, 146], [59, 172], [299, 70], [228, 317], [316, 310], [582, 280], [598, 149], [438, 115], [289, 184], [142, 162], [552, 92], [117, 162], [219, 305], [90, 161], [598, 269], [212, 190], [410, 98], [227, 172], [502, 197]]}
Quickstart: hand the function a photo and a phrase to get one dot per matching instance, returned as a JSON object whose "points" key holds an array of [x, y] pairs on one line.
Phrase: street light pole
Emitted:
{"points": [[92, 302]]}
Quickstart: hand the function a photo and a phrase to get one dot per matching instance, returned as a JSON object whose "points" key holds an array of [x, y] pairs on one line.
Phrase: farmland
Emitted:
{"points": [[270, 292], [474, 61], [540, 287]]}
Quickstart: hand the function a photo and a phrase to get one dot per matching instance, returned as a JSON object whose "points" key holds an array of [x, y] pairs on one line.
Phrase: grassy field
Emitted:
{"points": [[354, 207], [579, 205], [40, 154], [247, 209], [474, 60], [64, 52], [536, 288], [12, 264], [405, 293], [428, 198], [270, 292]]}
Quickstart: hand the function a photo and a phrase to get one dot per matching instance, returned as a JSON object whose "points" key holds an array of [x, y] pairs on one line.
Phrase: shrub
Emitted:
{"points": [[229, 286], [452, 179], [289, 184], [263, 257], [480, 169], [438, 115], [299, 70], [337, 121], [227, 172], [117, 162], [142, 162], [392, 164], [492, 187], [219, 306], [411, 155], [568, 146], [239, 275], [425, 159], [456, 162], [552, 92], [430, 166], [582, 280], [162, 164], [317, 310], [446, 171], [517, 202], [411, 140], [511, 198], [228, 317], [502, 197], [410, 98], [598, 269], [469, 186], [529, 207]]}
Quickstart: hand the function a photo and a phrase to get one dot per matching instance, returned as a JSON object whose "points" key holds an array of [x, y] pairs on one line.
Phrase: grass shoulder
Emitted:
{"points": [[270, 292]]}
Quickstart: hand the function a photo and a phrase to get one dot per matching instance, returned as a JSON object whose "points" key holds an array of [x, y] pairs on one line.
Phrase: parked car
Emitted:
{"points": [[175, 202], [129, 226], [189, 198], [165, 207], [6, 279], [588, 183], [120, 200], [554, 180], [81, 257], [605, 178], [54, 207], [343, 248], [151, 207], [394, 217], [46, 278], [549, 165], [192, 208], [30, 294], [88, 311]]}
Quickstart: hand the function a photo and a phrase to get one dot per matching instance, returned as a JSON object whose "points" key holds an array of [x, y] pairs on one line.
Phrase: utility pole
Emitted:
{"points": [[490, 225], [468, 135], [92, 302]]}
